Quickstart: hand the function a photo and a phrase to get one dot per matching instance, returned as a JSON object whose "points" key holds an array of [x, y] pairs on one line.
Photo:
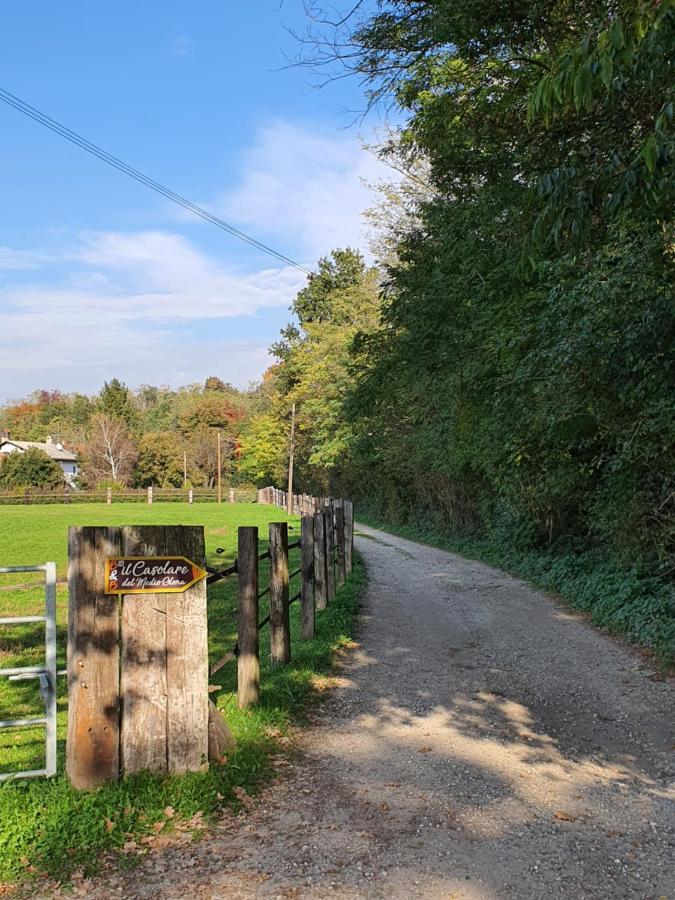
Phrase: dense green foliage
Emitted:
{"points": [[523, 373], [33, 468], [45, 825], [518, 391]]}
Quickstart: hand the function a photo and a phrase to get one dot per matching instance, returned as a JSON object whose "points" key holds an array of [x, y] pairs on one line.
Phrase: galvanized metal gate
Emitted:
{"points": [[46, 673]]}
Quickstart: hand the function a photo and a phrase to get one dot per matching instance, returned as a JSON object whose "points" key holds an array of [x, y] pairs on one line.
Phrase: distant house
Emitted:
{"points": [[67, 459]]}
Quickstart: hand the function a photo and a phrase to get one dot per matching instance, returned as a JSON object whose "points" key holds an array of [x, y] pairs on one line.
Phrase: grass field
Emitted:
{"points": [[45, 826]]}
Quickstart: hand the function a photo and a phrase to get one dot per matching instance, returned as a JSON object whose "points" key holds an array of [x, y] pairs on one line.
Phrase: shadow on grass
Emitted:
{"points": [[50, 828]]}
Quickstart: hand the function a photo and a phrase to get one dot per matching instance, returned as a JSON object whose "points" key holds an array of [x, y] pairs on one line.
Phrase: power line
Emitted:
{"points": [[53, 125]]}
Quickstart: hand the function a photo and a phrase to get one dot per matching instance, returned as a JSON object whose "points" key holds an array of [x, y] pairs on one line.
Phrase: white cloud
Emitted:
{"points": [[134, 308], [18, 259], [150, 306], [306, 188]]}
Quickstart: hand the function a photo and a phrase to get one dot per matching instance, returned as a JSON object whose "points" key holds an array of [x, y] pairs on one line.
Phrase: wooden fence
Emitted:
{"points": [[327, 550], [137, 665], [30, 496]]}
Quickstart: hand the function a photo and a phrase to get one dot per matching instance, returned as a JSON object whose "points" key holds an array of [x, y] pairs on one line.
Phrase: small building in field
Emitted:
{"points": [[67, 459]]}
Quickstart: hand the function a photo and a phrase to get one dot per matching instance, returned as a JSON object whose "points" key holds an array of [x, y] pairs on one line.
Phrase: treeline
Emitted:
{"points": [[123, 437]]}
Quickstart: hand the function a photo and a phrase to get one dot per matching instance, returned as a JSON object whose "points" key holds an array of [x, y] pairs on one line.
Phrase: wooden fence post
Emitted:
{"points": [[280, 629], [248, 661], [320, 594], [164, 661], [150, 495], [307, 618], [92, 747], [349, 535], [340, 542], [330, 550], [190, 496], [231, 495], [108, 496]]}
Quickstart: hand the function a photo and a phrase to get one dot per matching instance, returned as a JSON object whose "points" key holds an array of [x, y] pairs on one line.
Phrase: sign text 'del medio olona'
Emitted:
{"points": [[151, 574]]}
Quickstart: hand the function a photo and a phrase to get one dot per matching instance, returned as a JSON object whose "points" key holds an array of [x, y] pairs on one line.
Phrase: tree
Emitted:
{"points": [[114, 402], [33, 468], [160, 461], [109, 453]]}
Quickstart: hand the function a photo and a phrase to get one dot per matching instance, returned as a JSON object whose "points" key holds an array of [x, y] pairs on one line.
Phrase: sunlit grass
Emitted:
{"points": [[57, 829]]}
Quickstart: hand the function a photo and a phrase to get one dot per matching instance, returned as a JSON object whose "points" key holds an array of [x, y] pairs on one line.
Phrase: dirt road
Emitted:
{"points": [[484, 743]]}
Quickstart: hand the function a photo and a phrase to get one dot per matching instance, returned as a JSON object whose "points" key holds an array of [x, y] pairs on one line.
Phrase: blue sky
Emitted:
{"points": [[99, 277]]}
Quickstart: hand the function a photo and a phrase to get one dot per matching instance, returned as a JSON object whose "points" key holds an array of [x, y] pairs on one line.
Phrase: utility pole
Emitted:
{"points": [[218, 425], [289, 496], [184, 468], [220, 490]]}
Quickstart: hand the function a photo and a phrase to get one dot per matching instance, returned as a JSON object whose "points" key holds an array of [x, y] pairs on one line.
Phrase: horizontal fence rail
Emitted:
{"points": [[326, 554], [30, 496]]}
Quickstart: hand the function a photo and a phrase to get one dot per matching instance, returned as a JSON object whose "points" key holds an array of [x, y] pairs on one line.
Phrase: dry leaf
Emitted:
{"points": [[109, 824], [384, 807], [157, 826], [424, 750], [169, 812], [563, 816]]}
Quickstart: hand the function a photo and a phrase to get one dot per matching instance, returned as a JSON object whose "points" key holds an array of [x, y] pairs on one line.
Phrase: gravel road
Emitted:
{"points": [[484, 742]]}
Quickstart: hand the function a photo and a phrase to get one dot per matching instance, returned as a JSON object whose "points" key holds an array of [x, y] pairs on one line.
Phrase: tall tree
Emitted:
{"points": [[109, 454]]}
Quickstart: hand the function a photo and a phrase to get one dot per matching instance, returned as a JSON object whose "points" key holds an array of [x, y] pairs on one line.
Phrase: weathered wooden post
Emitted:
{"points": [[93, 743], [248, 661], [137, 652], [330, 550], [108, 496], [349, 535], [307, 617], [164, 663], [150, 495], [190, 496], [340, 542], [231, 495], [320, 573], [280, 628]]}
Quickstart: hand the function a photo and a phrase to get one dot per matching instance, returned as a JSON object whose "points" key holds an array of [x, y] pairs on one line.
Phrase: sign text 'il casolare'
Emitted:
{"points": [[151, 574]]}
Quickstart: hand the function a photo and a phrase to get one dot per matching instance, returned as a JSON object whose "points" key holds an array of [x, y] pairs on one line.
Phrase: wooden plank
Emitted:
{"points": [[248, 661], [187, 659], [307, 613], [340, 542], [349, 535], [320, 592], [143, 663], [92, 747], [280, 629], [330, 550]]}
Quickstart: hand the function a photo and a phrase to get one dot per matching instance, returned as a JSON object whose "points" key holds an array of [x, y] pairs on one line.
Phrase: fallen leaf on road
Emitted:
{"points": [[424, 750], [564, 816]]}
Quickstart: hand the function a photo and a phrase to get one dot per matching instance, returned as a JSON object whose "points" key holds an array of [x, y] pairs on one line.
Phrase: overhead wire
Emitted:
{"points": [[119, 164]]}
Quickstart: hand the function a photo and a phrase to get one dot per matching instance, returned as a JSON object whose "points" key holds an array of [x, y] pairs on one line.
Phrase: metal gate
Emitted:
{"points": [[46, 674]]}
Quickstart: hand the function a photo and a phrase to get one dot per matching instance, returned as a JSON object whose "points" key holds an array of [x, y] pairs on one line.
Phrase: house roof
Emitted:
{"points": [[54, 450]]}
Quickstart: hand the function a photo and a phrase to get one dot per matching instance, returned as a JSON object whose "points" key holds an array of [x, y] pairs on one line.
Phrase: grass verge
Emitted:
{"points": [[47, 828], [622, 599]]}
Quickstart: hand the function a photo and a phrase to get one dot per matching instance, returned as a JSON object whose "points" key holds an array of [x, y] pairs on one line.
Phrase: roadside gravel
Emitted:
{"points": [[483, 742]]}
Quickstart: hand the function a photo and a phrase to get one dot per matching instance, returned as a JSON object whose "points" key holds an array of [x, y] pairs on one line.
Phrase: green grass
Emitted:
{"points": [[47, 826], [623, 599]]}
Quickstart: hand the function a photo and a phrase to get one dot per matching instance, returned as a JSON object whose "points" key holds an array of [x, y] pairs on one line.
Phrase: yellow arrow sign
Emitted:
{"points": [[151, 574]]}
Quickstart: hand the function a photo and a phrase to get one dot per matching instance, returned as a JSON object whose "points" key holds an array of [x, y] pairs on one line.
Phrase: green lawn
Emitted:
{"points": [[48, 826]]}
